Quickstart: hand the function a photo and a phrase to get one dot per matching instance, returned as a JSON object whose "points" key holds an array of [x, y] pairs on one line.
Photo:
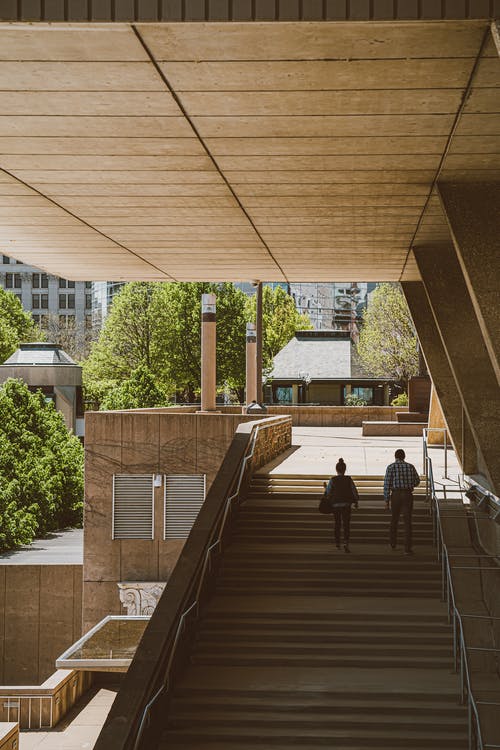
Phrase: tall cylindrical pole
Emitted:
{"points": [[258, 352], [208, 357], [251, 368]]}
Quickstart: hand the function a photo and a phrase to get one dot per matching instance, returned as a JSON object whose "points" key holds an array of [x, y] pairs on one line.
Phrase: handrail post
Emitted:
{"points": [[455, 653]]}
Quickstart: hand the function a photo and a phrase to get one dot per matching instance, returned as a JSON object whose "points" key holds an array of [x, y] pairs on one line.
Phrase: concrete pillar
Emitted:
{"points": [[251, 364], [436, 420], [259, 333], [473, 215], [208, 352], [440, 372], [466, 351]]}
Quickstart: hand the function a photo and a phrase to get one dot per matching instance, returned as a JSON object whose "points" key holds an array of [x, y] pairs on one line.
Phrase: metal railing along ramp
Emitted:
{"points": [[467, 573]]}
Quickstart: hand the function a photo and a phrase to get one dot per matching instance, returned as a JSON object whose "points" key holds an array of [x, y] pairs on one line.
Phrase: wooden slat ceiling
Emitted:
{"points": [[297, 151]]}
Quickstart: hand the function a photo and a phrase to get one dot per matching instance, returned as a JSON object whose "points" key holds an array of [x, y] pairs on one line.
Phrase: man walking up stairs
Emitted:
{"points": [[302, 646]]}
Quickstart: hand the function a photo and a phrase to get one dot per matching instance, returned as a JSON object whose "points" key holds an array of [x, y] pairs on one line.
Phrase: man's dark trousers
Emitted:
{"points": [[401, 502]]}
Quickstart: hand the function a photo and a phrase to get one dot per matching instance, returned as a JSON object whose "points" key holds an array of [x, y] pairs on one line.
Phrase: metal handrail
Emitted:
{"points": [[459, 646], [194, 606], [444, 430]]}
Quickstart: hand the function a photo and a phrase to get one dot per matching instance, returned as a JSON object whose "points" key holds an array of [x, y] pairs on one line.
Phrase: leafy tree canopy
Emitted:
{"points": [[157, 326], [140, 391], [16, 325], [387, 343], [41, 467]]}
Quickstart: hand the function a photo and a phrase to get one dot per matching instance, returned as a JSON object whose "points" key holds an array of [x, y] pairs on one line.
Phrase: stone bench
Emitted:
{"points": [[399, 429]]}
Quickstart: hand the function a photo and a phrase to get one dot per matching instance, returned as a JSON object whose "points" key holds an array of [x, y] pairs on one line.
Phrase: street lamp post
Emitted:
{"points": [[208, 352]]}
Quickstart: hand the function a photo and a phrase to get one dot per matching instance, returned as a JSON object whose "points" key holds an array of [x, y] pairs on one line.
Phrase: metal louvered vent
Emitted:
{"points": [[133, 501], [184, 496]]}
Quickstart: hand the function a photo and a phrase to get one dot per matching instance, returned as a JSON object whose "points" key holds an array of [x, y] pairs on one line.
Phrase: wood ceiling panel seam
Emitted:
{"points": [[80, 221], [170, 88]]}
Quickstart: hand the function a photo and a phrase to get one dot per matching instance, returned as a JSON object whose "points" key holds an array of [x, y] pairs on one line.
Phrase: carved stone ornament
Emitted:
{"points": [[140, 598]]}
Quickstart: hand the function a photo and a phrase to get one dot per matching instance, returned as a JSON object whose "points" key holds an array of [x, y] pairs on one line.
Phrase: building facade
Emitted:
{"points": [[51, 300]]}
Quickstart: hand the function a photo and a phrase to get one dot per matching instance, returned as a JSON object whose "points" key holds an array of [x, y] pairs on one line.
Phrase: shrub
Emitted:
{"points": [[41, 467], [352, 400], [400, 400]]}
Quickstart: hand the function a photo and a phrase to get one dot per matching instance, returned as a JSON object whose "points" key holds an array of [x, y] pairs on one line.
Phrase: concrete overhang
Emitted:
{"points": [[239, 151]]}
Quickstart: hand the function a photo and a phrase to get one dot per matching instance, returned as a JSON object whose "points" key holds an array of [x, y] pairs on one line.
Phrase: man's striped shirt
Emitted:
{"points": [[400, 476]]}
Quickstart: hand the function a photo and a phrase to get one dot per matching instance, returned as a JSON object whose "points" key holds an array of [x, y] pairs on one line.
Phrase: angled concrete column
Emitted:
{"points": [[473, 214], [208, 352], [440, 371], [251, 365], [466, 351]]}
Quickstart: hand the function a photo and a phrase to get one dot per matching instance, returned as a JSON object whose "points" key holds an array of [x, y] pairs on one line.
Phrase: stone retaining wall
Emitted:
{"points": [[271, 441]]}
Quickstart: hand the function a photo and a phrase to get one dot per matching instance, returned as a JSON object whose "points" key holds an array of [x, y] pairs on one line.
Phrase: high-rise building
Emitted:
{"points": [[336, 306], [103, 293], [53, 302]]}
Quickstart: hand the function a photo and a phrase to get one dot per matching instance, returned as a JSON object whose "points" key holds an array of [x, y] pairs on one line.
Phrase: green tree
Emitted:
{"points": [[387, 343], [157, 325], [280, 321], [179, 314], [126, 339], [140, 391], [41, 467], [16, 325]]}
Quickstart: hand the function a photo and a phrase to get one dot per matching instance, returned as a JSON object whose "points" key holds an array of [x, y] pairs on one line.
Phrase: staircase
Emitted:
{"points": [[303, 645]]}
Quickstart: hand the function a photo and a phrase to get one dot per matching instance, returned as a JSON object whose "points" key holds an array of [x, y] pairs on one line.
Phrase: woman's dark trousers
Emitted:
{"points": [[401, 502], [342, 517]]}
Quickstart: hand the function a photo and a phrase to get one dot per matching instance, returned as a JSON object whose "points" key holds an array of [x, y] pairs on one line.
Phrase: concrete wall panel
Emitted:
{"points": [[164, 441], [40, 616]]}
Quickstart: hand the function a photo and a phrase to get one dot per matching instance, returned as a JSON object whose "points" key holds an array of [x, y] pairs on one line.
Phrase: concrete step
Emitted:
{"points": [[261, 743], [335, 572], [362, 580], [249, 658], [367, 705], [308, 647], [345, 591], [369, 626], [300, 719], [416, 738], [366, 638]]}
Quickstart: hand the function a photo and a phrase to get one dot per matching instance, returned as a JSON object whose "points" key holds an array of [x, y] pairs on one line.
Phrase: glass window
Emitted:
{"points": [[19, 263], [88, 285], [44, 279], [365, 393], [71, 302], [284, 394], [62, 283], [44, 301], [62, 302], [35, 280], [35, 301], [13, 281], [71, 284], [88, 301], [5, 259]]}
